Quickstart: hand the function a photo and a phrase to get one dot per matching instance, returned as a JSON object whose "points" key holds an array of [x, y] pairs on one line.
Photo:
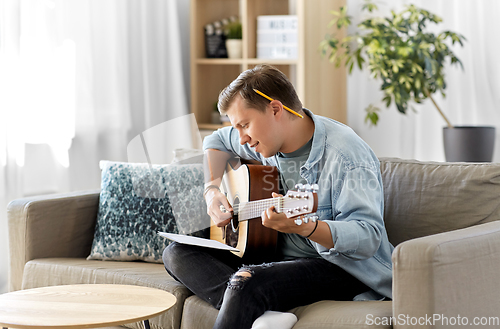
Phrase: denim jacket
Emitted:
{"points": [[350, 198]]}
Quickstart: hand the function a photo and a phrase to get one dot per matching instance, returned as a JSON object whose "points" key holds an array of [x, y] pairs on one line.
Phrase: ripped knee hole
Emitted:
{"points": [[239, 278]]}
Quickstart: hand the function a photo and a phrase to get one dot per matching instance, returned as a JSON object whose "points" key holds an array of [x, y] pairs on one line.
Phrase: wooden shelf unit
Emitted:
{"points": [[320, 86]]}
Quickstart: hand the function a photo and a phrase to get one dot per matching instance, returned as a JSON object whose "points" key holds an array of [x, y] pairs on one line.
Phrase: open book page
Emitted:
{"points": [[195, 241]]}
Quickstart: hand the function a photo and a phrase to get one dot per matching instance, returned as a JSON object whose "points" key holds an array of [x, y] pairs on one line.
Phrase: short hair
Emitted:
{"points": [[265, 78]]}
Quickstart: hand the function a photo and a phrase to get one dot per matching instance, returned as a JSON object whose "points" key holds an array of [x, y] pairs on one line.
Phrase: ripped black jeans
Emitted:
{"points": [[242, 293]]}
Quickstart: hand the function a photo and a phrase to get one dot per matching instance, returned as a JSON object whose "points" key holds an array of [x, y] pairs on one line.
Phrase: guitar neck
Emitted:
{"points": [[253, 209]]}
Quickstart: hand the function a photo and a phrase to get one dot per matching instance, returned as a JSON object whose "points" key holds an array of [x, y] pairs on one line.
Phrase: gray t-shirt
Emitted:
{"points": [[291, 246]]}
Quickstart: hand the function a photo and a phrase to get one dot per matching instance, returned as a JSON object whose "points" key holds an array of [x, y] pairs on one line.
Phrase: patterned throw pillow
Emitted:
{"points": [[138, 200]]}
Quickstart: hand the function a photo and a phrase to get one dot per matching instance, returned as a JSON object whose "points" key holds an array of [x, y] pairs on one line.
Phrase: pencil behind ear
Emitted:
{"points": [[282, 105], [276, 106]]}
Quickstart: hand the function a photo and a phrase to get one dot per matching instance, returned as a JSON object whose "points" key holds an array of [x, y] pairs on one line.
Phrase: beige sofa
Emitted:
{"points": [[442, 218]]}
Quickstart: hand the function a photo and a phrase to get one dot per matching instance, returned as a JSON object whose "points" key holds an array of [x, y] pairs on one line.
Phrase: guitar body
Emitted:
{"points": [[242, 184]]}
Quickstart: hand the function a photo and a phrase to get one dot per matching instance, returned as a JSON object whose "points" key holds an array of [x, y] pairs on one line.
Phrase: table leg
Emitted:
{"points": [[146, 324]]}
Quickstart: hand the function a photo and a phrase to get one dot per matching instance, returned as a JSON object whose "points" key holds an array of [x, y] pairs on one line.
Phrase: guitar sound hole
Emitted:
{"points": [[235, 224], [232, 231]]}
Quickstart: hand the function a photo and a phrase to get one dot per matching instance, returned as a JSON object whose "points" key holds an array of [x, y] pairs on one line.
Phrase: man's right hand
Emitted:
{"points": [[215, 199]]}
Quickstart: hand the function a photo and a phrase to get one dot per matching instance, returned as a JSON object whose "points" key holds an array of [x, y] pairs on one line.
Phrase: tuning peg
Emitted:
{"points": [[312, 188], [298, 222], [305, 220], [314, 218], [300, 187]]}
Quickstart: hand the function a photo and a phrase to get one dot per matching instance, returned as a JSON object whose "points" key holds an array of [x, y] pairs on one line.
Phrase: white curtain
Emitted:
{"points": [[472, 94], [79, 80]]}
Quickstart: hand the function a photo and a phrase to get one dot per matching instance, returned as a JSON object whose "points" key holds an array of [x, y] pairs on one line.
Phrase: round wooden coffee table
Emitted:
{"points": [[82, 306]]}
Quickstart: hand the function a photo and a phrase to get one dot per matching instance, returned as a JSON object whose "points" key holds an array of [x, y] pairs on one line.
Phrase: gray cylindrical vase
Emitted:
{"points": [[469, 143]]}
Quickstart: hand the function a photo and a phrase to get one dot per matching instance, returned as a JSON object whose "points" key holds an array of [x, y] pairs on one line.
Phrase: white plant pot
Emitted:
{"points": [[233, 47]]}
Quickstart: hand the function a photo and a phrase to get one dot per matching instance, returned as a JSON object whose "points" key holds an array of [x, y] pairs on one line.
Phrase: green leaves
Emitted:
{"points": [[371, 115], [404, 51], [341, 18], [233, 30], [397, 64], [455, 37], [398, 50], [370, 6]]}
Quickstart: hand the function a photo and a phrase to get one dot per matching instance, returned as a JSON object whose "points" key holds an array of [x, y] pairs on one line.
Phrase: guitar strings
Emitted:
{"points": [[256, 204], [253, 209]]}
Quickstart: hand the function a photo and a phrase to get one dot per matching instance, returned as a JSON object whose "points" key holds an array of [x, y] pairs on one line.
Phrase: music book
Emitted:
{"points": [[195, 241]]}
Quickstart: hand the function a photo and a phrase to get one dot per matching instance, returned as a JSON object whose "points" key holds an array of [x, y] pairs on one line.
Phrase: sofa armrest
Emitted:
{"points": [[59, 225], [448, 277]]}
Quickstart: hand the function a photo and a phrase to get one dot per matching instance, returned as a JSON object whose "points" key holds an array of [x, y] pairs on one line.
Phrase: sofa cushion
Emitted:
{"points": [[61, 271], [345, 314], [424, 198], [198, 314], [324, 314], [138, 200]]}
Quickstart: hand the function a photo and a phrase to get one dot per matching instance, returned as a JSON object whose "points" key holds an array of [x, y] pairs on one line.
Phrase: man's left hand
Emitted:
{"points": [[279, 221]]}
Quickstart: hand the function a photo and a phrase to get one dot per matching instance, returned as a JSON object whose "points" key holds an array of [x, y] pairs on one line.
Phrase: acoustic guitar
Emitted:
{"points": [[248, 189]]}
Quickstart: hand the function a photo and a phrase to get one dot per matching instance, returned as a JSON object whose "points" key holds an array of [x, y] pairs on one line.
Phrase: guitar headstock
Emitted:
{"points": [[303, 201]]}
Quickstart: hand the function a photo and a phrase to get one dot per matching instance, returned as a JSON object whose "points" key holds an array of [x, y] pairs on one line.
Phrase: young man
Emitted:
{"points": [[344, 256]]}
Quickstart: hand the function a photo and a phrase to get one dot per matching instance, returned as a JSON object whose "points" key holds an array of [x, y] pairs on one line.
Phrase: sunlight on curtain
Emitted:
{"points": [[39, 102], [38, 84], [37, 98], [78, 80]]}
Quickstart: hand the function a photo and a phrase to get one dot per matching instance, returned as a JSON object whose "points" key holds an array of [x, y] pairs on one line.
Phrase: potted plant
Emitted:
{"points": [[409, 61], [233, 34]]}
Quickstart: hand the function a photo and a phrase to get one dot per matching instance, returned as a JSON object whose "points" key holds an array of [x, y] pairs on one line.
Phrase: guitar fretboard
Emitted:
{"points": [[253, 209]]}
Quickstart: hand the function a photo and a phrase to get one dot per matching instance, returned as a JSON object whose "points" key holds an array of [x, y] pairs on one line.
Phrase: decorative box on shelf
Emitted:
{"points": [[277, 36], [215, 40]]}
